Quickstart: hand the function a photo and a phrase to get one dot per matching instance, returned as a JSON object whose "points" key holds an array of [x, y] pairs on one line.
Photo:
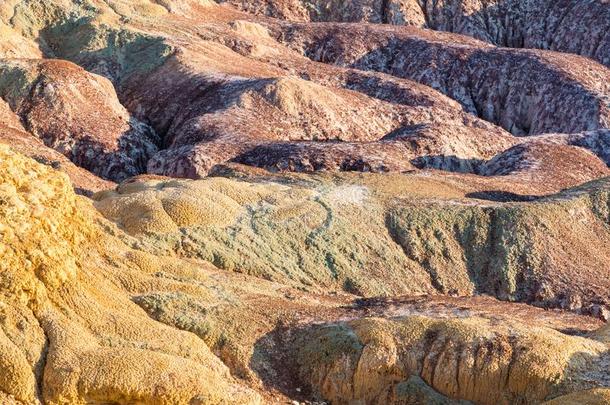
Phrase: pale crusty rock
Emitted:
{"points": [[67, 341], [597, 142], [595, 396], [279, 351], [474, 359], [412, 237], [83, 306], [14, 45]]}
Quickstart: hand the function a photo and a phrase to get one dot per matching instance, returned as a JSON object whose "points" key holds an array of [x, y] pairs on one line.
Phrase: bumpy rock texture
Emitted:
{"points": [[572, 26], [85, 308], [301, 231], [78, 115], [254, 202], [65, 319]]}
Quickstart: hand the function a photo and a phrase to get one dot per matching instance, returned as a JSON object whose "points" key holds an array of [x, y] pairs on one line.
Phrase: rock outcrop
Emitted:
{"points": [[13, 133], [65, 333], [78, 115], [526, 92], [401, 360], [569, 26], [233, 71], [68, 277], [301, 230], [354, 131], [275, 202]]}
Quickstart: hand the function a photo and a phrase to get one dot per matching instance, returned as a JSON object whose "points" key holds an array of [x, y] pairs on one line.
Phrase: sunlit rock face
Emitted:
{"points": [[294, 201]]}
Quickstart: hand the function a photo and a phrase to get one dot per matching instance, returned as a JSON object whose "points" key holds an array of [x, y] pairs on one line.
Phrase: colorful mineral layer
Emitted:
{"points": [[305, 202]]}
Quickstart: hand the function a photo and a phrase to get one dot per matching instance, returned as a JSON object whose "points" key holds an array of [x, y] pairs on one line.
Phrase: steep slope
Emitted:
{"points": [[573, 26], [78, 115], [14, 134]]}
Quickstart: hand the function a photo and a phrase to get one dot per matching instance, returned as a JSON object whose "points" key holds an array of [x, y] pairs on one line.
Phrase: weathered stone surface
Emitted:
{"points": [[526, 92], [310, 128], [78, 115], [373, 360], [550, 165], [14, 134], [262, 78], [470, 266], [573, 26], [596, 396], [65, 331], [301, 231]]}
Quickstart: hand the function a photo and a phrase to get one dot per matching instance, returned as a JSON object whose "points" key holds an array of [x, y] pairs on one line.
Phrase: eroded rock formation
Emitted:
{"points": [[306, 210], [78, 115], [301, 233], [573, 26]]}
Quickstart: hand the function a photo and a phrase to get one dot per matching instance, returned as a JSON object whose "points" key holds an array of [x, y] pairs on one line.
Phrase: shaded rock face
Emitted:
{"points": [[574, 26], [525, 92], [373, 11], [13, 133], [557, 26], [78, 115]]}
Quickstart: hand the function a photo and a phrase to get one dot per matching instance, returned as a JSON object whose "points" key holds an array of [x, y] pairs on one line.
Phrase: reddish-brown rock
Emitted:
{"points": [[572, 26], [12, 133], [77, 114], [524, 91]]}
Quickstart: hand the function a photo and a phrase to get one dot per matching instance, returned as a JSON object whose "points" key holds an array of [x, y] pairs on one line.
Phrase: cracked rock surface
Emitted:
{"points": [[573, 26]]}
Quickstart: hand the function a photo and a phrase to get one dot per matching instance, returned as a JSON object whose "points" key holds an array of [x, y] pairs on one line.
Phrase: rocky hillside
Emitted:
{"points": [[295, 201], [94, 315], [572, 26]]}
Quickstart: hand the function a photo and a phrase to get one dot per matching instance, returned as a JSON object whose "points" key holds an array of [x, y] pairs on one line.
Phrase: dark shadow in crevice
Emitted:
{"points": [[275, 361], [448, 163], [502, 196]]}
